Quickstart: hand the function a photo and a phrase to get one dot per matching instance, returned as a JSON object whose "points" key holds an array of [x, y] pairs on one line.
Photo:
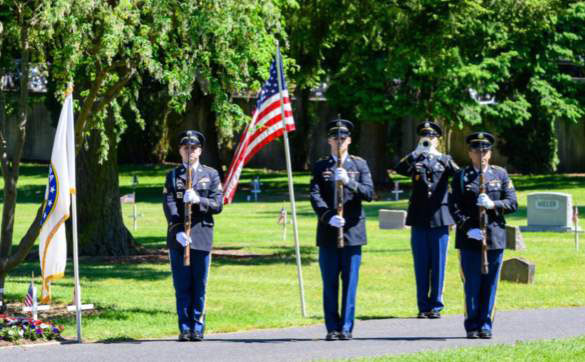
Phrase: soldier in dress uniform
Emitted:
{"points": [[205, 198], [464, 202], [333, 261], [428, 216]]}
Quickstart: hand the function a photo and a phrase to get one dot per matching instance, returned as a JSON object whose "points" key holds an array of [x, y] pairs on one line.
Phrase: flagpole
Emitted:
{"points": [[35, 306], [290, 182], [71, 155]]}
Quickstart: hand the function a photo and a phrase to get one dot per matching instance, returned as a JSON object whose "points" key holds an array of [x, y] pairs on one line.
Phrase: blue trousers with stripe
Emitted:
{"points": [[189, 283], [336, 262], [480, 289], [429, 251]]}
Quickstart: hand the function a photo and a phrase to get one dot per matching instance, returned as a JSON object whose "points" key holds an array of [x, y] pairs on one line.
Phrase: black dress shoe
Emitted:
{"points": [[485, 334], [345, 336], [421, 315], [433, 315], [196, 336], [184, 336], [473, 335], [332, 336]]}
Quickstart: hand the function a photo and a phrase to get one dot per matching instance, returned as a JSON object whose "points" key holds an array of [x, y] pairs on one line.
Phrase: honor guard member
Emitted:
{"points": [[333, 261], [205, 199], [429, 217], [464, 201]]}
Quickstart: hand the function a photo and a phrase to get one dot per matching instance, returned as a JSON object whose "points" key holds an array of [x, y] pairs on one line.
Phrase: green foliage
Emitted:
{"points": [[417, 59], [108, 49]]}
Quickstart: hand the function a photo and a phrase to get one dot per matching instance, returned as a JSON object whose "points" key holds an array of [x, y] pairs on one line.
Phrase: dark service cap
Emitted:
{"points": [[343, 126], [480, 140], [429, 129], [193, 138]]}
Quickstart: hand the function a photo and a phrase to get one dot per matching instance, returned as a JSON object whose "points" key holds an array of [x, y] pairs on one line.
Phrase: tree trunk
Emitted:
{"points": [[201, 117], [372, 147], [101, 227]]}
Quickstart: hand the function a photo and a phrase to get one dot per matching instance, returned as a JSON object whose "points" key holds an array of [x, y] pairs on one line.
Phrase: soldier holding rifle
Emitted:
{"points": [[192, 194], [480, 196], [340, 256]]}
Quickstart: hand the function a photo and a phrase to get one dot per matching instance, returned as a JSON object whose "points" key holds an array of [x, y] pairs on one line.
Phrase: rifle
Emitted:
{"points": [[483, 218], [187, 254], [339, 186]]}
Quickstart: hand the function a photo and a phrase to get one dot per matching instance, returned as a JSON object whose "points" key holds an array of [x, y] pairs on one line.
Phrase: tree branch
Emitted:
{"points": [[115, 90], [22, 102], [87, 107], [26, 243]]}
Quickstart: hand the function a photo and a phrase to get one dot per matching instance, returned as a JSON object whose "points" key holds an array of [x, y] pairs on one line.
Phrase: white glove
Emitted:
{"points": [[419, 150], [183, 239], [191, 197], [337, 221], [434, 151], [475, 234], [341, 175], [484, 200]]}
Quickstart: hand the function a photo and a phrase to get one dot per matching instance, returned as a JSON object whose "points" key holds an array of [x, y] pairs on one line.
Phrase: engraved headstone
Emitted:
{"points": [[518, 270], [514, 239], [392, 219], [549, 211]]}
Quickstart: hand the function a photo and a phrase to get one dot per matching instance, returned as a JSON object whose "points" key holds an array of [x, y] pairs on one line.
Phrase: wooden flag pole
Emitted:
{"points": [[290, 181]]}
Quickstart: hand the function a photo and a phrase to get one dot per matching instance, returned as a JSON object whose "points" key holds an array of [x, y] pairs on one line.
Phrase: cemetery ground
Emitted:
{"points": [[253, 282]]}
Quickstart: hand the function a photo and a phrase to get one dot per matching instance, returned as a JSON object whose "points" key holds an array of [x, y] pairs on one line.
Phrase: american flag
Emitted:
{"points": [[266, 125], [31, 296]]}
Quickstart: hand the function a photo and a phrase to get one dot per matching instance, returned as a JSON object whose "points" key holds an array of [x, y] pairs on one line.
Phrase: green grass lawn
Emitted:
{"points": [[137, 300], [572, 349]]}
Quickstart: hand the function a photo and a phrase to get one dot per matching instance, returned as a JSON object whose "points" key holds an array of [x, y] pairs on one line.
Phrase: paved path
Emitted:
{"points": [[371, 338]]}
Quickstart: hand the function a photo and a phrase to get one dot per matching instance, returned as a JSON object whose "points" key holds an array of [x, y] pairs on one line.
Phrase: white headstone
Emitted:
{"points": [[392, 219], [549, 211]]}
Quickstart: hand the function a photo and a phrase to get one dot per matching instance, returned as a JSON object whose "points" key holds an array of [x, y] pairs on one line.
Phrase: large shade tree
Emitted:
{"points": [[419, 59], [107, 49]]}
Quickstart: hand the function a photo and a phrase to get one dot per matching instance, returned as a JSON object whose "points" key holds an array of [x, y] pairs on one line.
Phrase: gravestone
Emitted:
{"points": [[392, 219], [514, 239], [518, 270], [549, 211]]}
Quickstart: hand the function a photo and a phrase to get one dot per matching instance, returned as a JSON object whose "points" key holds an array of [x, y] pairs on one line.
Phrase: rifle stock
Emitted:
{"points": [[187, 253], [483, 219], [339, 193]]}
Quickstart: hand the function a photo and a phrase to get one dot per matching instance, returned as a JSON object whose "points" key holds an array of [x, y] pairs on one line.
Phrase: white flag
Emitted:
{"points": [[53, 242]]}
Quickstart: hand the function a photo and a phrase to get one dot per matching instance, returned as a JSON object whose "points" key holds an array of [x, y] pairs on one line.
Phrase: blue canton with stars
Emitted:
{"points": [[50, 202], [270, 88]]}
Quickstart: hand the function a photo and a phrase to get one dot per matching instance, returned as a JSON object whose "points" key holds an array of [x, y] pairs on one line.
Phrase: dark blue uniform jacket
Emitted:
{"points": [[428, 205], [323, 192], [463, 199], [205, 180]]}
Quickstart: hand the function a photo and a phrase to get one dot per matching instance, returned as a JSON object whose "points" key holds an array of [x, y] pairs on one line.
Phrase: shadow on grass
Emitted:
{"points": [[282, 256], [113, 313], [96, 270], [151, 241]]}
